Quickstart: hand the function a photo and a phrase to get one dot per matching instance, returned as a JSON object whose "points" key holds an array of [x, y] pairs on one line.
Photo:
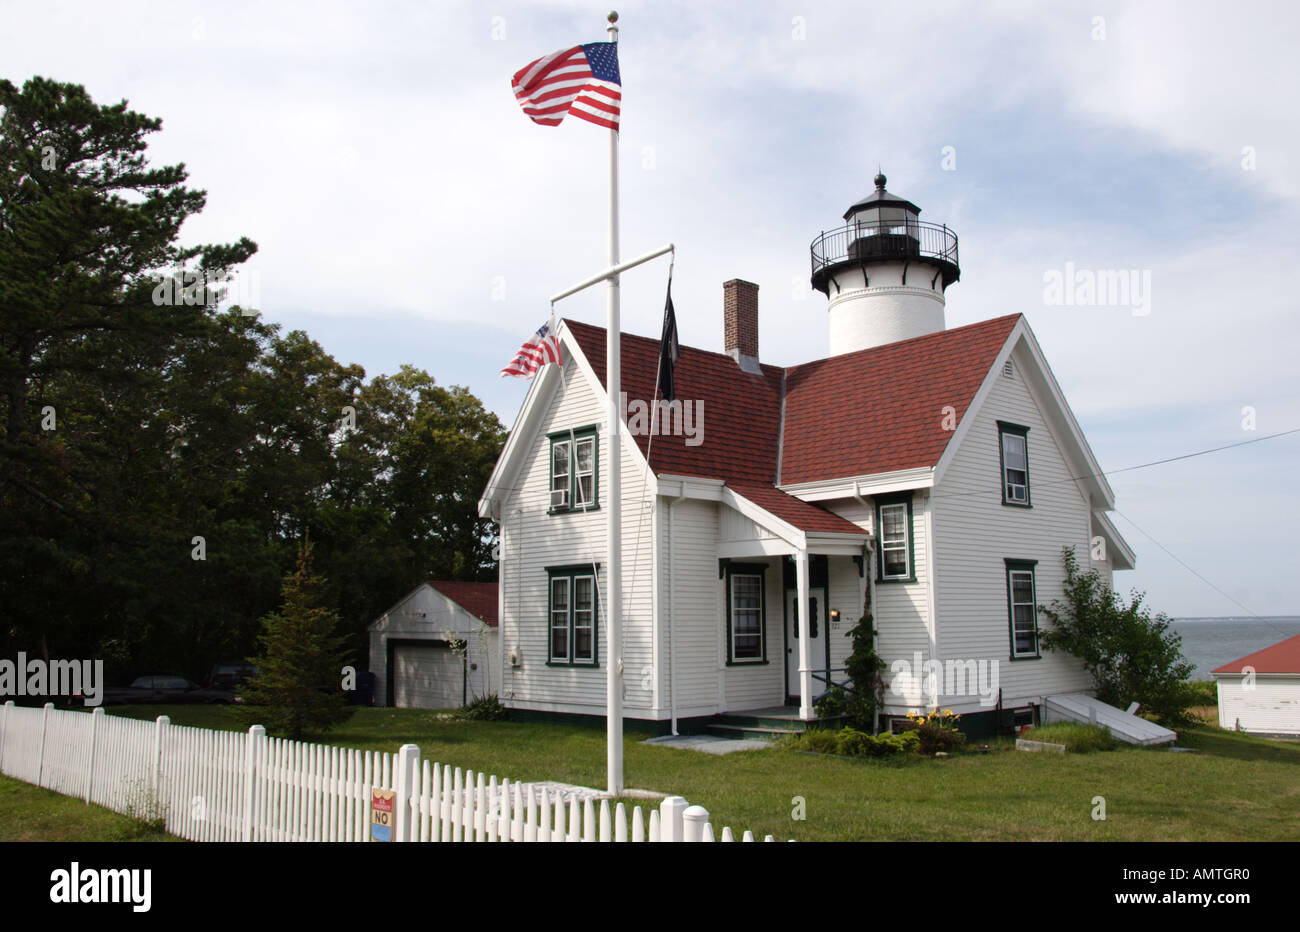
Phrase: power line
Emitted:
{"points": [[1187, 567], [1112, 472]]}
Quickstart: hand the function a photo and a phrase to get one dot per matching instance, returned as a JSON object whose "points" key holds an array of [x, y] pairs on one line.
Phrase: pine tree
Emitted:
{"points": [[295, 693]]}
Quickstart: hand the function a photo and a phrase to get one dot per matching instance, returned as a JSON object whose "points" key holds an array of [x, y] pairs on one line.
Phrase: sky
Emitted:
{"points": [[407, 212]]}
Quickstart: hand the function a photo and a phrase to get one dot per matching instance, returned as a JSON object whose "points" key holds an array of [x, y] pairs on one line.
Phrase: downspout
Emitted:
{"points": [[869, 571], [672, 601], [929, 589]]}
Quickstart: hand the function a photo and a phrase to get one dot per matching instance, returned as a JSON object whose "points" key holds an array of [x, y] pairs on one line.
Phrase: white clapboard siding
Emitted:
{"points": [[754, 686], [975, 533], [210, 785], [1270, 706], [697, 603], [568, 539], [901, 612]]}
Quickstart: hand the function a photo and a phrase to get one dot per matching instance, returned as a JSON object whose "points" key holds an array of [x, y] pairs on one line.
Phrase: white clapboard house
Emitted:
{"points": [[1261, 692], [937, 472], [437, 647]]}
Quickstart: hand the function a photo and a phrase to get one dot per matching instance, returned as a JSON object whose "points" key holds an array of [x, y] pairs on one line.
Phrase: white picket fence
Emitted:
{"points": [[245, 786]]}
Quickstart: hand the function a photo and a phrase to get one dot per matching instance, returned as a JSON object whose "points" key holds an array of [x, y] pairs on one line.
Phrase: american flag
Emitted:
{"points": [[583, 80], [539, 349]]}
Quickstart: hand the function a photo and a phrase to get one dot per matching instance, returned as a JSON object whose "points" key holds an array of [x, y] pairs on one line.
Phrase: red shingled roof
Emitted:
{"points": [[876, 410], [1282, 657], [477, 598], [882, 409]]}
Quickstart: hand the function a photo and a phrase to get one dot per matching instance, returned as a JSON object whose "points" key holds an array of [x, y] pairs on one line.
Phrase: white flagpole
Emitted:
{"points": [[613, 456]]}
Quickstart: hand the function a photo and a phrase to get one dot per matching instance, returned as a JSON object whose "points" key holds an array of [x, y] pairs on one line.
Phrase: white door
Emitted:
{"points": [[427, 677], [816, 639]]}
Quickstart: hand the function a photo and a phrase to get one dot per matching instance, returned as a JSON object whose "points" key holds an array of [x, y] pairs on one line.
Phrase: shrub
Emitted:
{"points": [[487, 709], [863, 667], [831, 703], [936, 732], [1131, 656], [850, 742], [1202, 692], [820, 741]]}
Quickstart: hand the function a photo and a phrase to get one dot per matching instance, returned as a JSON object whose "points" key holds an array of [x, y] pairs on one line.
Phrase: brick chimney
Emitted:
{"points": [[740, 323]]}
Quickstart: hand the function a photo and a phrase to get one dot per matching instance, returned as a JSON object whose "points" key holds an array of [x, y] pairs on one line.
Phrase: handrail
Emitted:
{"points": [[903, 239]]}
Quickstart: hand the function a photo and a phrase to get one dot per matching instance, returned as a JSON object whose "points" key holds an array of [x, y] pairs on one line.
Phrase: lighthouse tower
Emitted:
{"points": [[885, 272]]}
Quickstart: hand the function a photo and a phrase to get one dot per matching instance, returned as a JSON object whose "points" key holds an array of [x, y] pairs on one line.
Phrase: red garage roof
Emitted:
{"points": [[477, 598], [873, 411], [1282, 657]]}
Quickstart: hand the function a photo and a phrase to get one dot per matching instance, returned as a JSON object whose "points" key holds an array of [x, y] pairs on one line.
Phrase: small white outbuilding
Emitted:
{"points": [[437, 647], [1260, 693]]}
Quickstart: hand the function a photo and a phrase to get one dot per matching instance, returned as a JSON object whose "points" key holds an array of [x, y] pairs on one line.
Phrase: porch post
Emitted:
{"points": [[801, 607]]}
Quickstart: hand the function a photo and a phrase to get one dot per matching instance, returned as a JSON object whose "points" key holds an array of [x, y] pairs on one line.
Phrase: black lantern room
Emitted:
{"points": [[883, 226]]}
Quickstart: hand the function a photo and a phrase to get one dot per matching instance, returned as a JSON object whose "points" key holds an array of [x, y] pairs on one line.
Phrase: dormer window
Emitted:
{"points": [[1014, 442], [573, 470]]}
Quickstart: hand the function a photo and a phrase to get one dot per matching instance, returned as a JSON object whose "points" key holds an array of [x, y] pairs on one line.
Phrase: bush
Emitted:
{"points": [[1077, 738], [863, 667], [1202, 692], [1132, 657], [819, 741], [831, 703], [850, 742], [936, 732], [487, 709]]}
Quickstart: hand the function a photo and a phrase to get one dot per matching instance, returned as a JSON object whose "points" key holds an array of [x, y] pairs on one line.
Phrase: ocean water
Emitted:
{"points": [[1212, 642]]}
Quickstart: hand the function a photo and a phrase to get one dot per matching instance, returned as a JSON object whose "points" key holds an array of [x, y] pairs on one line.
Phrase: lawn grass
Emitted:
{"points": [[30, 813], [1233, 787], [1077, 737]]}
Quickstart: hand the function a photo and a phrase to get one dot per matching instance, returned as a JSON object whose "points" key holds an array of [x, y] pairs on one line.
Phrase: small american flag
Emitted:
{"points": [[539, 349], [583, 80]]}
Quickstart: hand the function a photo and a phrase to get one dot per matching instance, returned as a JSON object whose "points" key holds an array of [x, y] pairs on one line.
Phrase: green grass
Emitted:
{"points": [[29, 813], [1233, 787], [1077, 738]]}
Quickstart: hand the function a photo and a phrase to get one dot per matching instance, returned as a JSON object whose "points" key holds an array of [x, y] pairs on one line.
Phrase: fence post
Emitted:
{"points": [[694, 820], [95, 718], [4, 730], [40, 761], [670, 818], [408, 763], [155, 767], [253, 752]]}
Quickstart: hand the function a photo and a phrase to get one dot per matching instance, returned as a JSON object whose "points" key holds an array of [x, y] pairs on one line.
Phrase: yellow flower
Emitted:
{"points": [[947, 711]]}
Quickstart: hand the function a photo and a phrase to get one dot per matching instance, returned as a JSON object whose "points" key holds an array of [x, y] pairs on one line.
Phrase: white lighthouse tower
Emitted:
{"points": [[884, 272]]}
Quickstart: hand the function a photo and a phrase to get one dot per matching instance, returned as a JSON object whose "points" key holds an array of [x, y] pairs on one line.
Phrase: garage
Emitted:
{"points": [[411, 646], [428, 676]]}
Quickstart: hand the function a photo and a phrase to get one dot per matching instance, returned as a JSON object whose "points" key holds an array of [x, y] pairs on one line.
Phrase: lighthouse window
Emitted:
{"points": [[1014, 442]]}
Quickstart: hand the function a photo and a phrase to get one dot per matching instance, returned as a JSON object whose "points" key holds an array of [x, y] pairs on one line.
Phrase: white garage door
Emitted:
{"points": [[427, 678]]}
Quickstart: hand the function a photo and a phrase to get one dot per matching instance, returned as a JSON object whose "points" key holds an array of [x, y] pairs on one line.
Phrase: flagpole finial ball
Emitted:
{"points": [[613, 16]]}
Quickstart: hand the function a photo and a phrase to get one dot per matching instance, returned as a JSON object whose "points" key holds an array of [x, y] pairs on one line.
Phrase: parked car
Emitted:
{"points": [[226, 678], [163, 688]]}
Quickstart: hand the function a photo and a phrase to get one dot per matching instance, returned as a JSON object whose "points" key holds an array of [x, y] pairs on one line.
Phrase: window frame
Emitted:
{"points": [[1005, 429], [571, 439], [889, 501], [570, 575], [1012, 566], [746, 570]]}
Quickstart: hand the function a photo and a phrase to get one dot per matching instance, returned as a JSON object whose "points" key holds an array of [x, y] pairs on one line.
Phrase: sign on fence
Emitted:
{"points": [[381, 814]]}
